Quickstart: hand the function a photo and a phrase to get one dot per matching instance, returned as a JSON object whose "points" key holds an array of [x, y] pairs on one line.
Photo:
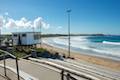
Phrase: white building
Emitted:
{"points": [[26, 38]]}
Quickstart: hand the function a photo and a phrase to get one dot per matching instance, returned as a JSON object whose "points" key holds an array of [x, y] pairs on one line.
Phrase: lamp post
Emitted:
{"points": [[68, 12]]}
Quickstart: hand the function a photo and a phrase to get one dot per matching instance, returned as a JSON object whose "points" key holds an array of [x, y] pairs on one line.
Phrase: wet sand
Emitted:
{"points": [[108, 63]]}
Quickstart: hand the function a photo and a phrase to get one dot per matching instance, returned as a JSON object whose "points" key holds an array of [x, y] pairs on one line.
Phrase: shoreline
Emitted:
{"points": [[108, 63]]}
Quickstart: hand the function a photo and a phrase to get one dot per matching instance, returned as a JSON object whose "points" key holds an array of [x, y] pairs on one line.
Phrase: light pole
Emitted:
{"points": [[68, 12]]}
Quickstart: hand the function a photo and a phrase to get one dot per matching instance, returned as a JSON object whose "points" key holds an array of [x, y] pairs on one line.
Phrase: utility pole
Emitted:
{"points": [[34, 36], [0, 37], [5, 64], [40, 34], [68, 12], [17, 68]]}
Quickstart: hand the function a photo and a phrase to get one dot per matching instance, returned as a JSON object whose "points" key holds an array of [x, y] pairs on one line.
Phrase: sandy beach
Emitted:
{"points": [[108, 63]]}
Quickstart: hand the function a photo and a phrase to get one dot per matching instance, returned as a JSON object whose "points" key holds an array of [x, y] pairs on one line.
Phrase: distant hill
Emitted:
{"points": [[56, 35]]}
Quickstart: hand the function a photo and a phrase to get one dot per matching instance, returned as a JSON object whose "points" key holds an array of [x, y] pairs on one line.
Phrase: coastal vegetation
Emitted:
{"points": [[1, 53], [19, 54], [40, 52]]}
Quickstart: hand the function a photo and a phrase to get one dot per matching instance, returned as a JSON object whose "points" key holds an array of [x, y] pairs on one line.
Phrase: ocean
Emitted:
{"points": [[101, 46]]}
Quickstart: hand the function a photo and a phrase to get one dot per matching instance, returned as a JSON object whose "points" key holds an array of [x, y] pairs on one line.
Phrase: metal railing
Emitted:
{"points": [[68, 76], [65, 72], [4, 61]]}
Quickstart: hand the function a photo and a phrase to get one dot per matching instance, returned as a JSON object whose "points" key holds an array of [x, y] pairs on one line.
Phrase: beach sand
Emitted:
{"points": [[107, 63]]}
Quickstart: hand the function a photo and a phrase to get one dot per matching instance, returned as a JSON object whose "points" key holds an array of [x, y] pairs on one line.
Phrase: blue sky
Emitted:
{"points": [[87, 16]]}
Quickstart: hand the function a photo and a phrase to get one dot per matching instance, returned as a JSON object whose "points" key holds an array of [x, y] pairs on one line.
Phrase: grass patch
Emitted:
{"points": [[44, 53], [19, 54], [41, 50], [1, 53]]}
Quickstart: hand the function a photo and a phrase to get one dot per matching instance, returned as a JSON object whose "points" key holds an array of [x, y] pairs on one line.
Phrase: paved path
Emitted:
{"points": [[94, 70], [2, 78], [35, 70], [90, 70], [46, 72]]}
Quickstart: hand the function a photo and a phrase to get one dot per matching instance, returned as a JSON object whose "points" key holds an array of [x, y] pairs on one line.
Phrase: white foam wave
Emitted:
{"points": [[60, 41], [80, 39], [89, 46], [113, 43], [93, 49]]}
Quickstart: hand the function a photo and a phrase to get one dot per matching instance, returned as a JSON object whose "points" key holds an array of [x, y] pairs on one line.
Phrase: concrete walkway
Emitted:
{"points": [[38, 71], [92, 71], [2, 78]]}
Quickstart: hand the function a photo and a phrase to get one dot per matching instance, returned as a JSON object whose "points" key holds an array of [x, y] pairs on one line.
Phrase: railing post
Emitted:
{"points": [[62, 75], [68, 76], [4, 65], [17, 67]]}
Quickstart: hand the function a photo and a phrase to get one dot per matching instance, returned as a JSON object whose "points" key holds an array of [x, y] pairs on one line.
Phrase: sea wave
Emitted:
{"points": [[79, 39], [113, 43], [83, 46], [94, 49], [86, 46]]}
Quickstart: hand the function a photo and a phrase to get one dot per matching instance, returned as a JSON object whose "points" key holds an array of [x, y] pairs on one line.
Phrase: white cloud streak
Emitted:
{"points": [[23, 23], [6, 13], [1, 21], [37, 22], [11, 23], [59, 27]]}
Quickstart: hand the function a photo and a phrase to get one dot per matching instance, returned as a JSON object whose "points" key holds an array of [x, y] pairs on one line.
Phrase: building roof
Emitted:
{"points": [[24, 32]]}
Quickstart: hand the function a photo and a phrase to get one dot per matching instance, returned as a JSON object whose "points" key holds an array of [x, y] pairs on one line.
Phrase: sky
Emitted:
{"points": [[87, 16]]}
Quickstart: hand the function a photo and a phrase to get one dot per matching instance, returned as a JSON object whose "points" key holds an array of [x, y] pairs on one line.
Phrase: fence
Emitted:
{"points": [[66, 76], [14, 74], [10, 74]]}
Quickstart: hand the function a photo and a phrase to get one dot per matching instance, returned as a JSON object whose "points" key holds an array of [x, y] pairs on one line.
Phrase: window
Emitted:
{"points": [[15, 35], [23, 35], [36, 36]]}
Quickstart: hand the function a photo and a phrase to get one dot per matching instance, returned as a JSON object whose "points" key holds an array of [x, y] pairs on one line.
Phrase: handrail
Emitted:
{"points": [[8, 53], [65, 69], [17, 67]]}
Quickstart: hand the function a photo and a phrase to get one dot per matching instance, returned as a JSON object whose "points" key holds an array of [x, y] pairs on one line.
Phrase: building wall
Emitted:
{"points": [[37, 38], [15, 39], [26, 38], [30, 39], [23, 38]]}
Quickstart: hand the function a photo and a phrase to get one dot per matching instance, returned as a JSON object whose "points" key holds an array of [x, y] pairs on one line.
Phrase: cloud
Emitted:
{"points": [[24, 23], [45, 25], [6, 13], [59, 27], [11, 23], [38, 22], [1, 21]]}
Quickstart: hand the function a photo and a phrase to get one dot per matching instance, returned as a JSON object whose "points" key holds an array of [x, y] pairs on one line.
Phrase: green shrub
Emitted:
{"points": [[40, 50], [19, 54], [1, 53]]}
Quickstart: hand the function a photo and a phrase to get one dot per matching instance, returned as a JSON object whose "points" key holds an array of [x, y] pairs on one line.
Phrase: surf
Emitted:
{"points": [[112, 43]]}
